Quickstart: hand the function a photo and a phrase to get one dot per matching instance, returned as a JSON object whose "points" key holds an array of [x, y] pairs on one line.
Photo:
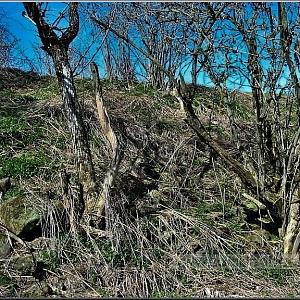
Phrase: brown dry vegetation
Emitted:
{"points": [[180, 229]]}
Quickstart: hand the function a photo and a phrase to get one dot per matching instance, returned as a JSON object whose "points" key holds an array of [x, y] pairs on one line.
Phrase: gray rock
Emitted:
{"points": [[23, 264], [18, 216]]}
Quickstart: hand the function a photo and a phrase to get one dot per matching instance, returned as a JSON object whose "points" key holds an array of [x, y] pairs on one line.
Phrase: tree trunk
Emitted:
{"points": [[103, 205], [291, 213], [73, 114], [57, 48], [74, 201], [291, 242]]}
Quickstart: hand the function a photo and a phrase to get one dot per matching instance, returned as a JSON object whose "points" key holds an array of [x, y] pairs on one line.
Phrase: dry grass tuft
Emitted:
{"points": [[174, 207]]}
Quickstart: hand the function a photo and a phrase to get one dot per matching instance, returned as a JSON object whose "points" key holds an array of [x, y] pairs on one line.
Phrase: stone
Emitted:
{"points": [[5, 246], [23, 264], [19, 216], [5, 184]]}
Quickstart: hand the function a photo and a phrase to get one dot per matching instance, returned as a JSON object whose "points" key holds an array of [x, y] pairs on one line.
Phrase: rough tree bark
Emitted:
{"points": [[57, 47]]}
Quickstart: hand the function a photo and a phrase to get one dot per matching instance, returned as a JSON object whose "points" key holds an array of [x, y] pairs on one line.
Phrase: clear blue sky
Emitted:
{"points": [[21, 28], [26, 32]]}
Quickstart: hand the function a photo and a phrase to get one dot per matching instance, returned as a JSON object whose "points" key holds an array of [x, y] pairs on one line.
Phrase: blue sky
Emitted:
{"points": [[21, 27], [24, 30], [18, 25]]}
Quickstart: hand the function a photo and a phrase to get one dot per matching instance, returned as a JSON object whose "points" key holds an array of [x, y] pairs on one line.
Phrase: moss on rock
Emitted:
{"points": [[19, 216]]}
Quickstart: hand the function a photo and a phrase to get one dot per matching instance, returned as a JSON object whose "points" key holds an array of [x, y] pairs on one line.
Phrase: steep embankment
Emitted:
{"points": [[181, 227]]}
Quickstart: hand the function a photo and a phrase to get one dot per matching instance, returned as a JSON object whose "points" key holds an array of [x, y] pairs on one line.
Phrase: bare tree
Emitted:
{"points": [[259, 51], [160, 35], [241, 40], [289, 182], [7, 43], [104, 204], [56, 42]]}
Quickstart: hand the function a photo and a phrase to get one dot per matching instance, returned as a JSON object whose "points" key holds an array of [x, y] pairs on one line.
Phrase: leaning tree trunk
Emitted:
{"points": [[291, 243], [103, 206]]}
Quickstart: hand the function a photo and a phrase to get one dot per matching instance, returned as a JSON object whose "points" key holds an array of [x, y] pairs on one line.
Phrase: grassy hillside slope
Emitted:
{"points": [[182, 229]]}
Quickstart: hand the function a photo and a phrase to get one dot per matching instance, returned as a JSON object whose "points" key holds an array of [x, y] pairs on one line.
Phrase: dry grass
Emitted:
{"points": [[167, 240]]}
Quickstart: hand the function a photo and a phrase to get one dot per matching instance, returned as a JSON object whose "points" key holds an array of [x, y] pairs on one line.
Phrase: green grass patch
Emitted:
{"points": [[116, 257], [11, 125], [141, 90], [45, 92], [291, 295], [166, 125], [59, 141], [84, 85], [169, 100], [50, 260], [209, 213], [240, 111], [5, 280], [278, 274], [104, 292], [12, 192], [16, 130], [26, 164], [203, 208]]}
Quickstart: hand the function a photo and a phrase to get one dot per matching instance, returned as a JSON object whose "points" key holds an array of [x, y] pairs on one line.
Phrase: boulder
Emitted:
{"points": [[24, 265], [19, 216]]}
